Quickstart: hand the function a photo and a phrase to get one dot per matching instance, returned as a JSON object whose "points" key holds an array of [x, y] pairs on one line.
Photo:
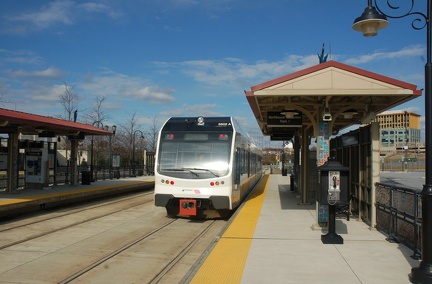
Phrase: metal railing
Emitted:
{"points": [[63, 175], [99, 173], [399, 215]]}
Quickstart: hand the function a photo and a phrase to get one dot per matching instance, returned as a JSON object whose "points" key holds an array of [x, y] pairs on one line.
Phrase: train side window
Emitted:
{"points": [[248, 164], [237, 171]]}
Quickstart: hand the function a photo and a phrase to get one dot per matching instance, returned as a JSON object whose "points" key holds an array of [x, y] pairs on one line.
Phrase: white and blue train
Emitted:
{"points": [[205, 166]]}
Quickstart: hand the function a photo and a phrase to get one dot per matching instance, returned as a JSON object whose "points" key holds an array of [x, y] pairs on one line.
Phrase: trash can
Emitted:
{"points": [[85, 177], [292, 182], [284, 172], [117, 174]]}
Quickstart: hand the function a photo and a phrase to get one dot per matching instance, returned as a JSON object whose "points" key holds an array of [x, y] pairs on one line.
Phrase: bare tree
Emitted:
{"points": [[130, 128], [69, 101], [3, 100], [97, 116], [152, 135], [131, 141], [3, 91]]}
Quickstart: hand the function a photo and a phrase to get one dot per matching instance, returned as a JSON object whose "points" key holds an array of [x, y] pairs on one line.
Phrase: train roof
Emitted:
{"points": [[173, 123], [199, 121], [195, 118]]}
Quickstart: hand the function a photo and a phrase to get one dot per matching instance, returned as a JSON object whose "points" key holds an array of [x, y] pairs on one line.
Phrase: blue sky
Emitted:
{"points": [[162, 58]]}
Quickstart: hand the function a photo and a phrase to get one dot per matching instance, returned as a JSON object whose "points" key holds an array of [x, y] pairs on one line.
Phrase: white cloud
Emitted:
{"points": [[232, 70], [55, 14], [228, 71], [120, 86], [49, 73], [185, 2], [92, 8], [409, 51], [192, 110], [58, 12], [19, 56], [42, 93], [154, 94]]}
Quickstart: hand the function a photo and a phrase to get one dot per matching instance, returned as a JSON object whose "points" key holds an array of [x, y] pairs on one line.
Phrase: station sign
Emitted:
{"points": [[277, 119], [79, 136]]}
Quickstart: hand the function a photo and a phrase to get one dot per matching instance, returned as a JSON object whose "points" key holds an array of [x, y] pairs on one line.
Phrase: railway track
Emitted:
{"points": [[161, 272], [14, 233], [127, 241]]}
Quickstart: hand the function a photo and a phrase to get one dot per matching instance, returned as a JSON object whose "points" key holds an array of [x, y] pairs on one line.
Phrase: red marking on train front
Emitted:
{"points": [[188, 207]]}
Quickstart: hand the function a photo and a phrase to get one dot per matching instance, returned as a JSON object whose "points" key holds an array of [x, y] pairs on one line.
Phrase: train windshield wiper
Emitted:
{"points": [[205, 170], [182, 170], [191, 170]]}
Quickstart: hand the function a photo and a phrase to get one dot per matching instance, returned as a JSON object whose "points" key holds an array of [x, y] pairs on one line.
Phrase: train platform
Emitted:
{"points": [[274, 238], [26, 200]]}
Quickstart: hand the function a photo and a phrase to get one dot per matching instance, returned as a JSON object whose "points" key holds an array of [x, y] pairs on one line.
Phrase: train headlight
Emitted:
{"points": [[200, 120]]}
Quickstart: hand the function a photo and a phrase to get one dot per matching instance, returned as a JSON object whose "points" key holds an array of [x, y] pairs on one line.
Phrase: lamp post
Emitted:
{"points": [[372, 20], [92, 150], [133, 149], [113, 128]]}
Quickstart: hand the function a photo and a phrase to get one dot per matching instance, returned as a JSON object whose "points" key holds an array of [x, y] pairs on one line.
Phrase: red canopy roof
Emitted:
{"points": [[27, 123]]}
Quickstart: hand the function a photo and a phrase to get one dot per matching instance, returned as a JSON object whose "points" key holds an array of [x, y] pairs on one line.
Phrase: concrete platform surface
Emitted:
{"points": [[284, 246]]}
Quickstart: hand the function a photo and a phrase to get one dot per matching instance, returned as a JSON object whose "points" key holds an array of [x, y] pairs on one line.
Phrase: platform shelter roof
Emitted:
{"points": [[349, 94], [44, 126]]}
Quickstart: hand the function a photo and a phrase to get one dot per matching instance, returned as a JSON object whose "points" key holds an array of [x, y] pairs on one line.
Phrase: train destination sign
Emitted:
{"points": [[277, 119]]}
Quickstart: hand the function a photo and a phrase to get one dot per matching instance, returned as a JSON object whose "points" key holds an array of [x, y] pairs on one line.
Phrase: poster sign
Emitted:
{"points": [[323, 143], [116, 161]]}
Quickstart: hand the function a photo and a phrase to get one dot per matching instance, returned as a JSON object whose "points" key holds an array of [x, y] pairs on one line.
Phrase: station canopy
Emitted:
{"points": [[44, 126], [346, 94]]}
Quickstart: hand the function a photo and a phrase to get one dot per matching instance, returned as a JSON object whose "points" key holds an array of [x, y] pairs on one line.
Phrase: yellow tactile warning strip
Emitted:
{"points": [[65, 193], [226, 261]]}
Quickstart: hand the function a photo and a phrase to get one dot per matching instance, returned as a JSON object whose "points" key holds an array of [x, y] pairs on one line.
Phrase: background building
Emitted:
{"points": [[399, 130]]}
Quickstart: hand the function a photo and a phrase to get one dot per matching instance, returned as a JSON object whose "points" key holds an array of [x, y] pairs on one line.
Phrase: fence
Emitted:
{"points": [[62, 174], [99, 173], [399, 215], [410, 165]]}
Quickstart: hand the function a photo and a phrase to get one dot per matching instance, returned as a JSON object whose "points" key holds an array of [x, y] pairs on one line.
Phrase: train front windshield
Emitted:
{"points": [[194, 155]]}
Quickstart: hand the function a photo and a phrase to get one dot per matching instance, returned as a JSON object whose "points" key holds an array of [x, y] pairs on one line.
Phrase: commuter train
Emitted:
{"points": [[205, 166]]}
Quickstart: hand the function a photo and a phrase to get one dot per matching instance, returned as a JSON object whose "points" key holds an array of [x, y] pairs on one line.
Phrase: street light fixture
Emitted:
{"points": [[369, 23], [133, 149]]}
